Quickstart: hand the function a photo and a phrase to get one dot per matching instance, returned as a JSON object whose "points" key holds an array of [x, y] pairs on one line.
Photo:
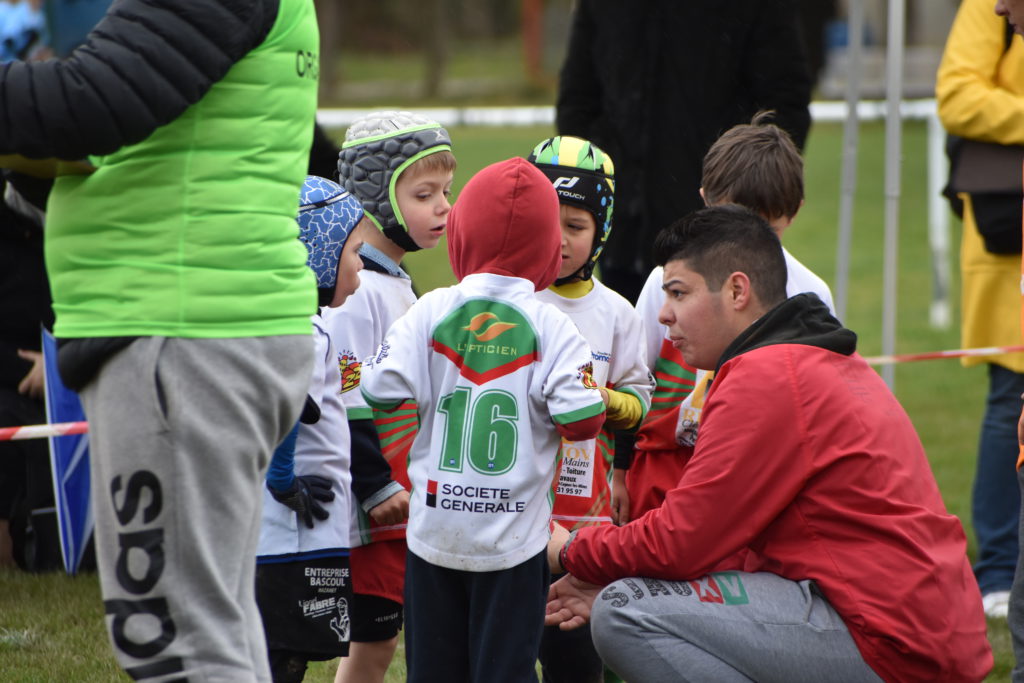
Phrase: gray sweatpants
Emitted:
{"points": [[181, 431], [724, 627]]}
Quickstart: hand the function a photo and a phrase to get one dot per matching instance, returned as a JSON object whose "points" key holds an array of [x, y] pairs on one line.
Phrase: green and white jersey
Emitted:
{"points": [[357, 328], [615, 334], [497, 376]]}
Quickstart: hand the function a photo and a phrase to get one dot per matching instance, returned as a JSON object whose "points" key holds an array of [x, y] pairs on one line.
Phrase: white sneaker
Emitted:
{"points": [[996, 604]]}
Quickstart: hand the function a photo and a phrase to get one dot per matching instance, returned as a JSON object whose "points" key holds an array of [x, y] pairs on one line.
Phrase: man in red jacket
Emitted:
{"points": [[806, 539]]}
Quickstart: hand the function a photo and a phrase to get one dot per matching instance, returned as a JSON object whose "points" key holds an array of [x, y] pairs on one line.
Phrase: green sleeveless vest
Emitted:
{"points": [[192, 232]]}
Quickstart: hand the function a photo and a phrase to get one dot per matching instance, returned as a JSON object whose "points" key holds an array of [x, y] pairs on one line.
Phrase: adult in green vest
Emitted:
{"points": [[182, 299]]}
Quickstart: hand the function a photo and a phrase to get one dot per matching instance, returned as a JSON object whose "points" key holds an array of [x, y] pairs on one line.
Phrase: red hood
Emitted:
{"points": [[506, 222]]}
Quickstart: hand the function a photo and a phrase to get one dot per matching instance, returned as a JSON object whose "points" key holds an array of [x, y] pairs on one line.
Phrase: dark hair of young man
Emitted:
{"points": [[755, 165], [720, 240]]}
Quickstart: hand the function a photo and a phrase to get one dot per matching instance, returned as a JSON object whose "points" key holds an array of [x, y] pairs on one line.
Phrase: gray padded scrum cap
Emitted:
{"points": [[375, 147]]}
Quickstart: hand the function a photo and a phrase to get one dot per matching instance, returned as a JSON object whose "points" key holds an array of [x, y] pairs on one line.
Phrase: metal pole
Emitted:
{"points": [[851, 133], [893, 147], [939, 234]]}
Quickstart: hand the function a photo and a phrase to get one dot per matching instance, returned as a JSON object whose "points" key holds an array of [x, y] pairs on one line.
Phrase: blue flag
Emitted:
{"points": [[69, 461]]}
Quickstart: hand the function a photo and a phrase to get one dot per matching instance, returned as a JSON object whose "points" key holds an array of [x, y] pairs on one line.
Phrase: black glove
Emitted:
{"points": [[304, 496]]}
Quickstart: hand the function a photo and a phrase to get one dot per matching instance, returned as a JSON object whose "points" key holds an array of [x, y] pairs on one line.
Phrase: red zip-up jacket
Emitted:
{"points": [[806, 460]]}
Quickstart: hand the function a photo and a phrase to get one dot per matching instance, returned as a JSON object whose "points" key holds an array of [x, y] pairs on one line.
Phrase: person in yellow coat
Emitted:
{"points": [[1013, 11], [980, 91]]}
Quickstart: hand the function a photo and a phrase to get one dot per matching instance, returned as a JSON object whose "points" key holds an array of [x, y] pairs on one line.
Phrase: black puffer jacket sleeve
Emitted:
{"points": [[143, 65]]}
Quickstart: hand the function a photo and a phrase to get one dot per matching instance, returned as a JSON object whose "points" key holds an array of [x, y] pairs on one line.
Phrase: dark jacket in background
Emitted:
{"points": [[24, 289], [655, 83], [26, 486]]}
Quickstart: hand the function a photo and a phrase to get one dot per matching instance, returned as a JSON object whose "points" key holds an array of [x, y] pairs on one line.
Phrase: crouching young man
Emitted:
{"points": [[806, 539]]}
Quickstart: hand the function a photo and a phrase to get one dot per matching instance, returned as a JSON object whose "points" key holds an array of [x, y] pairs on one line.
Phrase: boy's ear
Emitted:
{"points": [[738, 290], [702, 197]]}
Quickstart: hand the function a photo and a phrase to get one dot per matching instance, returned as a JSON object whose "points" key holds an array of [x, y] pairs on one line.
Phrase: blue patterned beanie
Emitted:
{"points": [[327, 216]]}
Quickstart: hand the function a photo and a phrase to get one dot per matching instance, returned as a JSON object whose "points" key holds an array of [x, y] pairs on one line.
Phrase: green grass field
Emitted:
{"points": [[51, 627]]}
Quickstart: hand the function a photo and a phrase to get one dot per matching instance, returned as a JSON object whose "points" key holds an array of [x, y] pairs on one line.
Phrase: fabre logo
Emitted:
{"points": [[486, 339]]}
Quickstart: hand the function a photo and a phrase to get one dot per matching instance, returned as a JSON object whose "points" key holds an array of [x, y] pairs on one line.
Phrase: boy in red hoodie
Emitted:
{"points": [[498, 378]]}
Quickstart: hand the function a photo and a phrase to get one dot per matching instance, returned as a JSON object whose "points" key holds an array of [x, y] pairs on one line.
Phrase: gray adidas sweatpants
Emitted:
{"points": [[724, 627], [181, 432]]}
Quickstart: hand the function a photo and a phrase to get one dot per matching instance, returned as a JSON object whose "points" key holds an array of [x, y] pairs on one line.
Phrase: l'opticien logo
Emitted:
{"points": [[493, 331], [466, 336]]}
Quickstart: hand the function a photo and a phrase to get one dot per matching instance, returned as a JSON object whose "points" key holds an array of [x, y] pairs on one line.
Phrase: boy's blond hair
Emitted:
{"points": [[381, 146], [443, 161], [755, 165]]}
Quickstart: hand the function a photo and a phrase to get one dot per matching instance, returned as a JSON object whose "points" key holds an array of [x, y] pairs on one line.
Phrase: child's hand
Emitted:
{"points": [[305, 496], [569, 602], [620, 497], [394, 510], [604, 396]]}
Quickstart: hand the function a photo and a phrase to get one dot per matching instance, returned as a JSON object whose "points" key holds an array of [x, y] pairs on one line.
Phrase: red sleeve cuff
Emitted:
{"points": [[583, 429]]}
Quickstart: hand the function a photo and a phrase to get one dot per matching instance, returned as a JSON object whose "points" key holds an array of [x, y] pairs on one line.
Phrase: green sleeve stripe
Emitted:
{"points": [[360, 413], [379, 404], [580, 414]]}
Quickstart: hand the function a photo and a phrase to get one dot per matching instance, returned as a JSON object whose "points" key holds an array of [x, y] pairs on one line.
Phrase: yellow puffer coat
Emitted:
{"points": [[980, 91]]}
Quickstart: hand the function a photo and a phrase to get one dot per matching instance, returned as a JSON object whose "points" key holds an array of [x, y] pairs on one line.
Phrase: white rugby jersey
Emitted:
{"points": [[615, 334], [357, 328], [323, 449], [492, 370]]}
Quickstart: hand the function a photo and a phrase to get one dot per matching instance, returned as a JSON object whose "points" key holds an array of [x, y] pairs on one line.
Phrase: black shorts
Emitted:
{"points": [[375, 618], [306, 606]]}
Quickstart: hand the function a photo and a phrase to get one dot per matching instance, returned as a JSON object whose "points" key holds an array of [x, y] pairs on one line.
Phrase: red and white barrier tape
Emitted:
{"points": [[65, 428], [934, 355], [42, 431]]}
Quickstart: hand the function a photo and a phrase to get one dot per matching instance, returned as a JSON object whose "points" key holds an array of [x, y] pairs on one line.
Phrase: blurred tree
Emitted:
{"points": [[328, 14], [399, 26], [436, 44], [532, 26]]}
